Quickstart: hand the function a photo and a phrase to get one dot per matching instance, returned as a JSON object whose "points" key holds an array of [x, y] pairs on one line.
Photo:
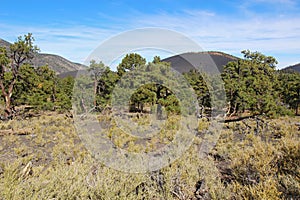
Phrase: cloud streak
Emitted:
{"points": [[74, 43], [278, 35], [216, 32]]}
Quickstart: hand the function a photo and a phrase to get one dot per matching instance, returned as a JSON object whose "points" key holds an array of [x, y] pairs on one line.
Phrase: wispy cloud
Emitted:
{"points": [[278, 2], [269, 8], [74, 43], [276, 34], [216, 32]]}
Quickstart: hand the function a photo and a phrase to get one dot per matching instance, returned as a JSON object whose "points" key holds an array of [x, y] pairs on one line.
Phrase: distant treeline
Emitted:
{"points": [[251, 84]]}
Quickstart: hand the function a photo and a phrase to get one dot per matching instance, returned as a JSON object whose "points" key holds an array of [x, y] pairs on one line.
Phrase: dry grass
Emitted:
{"points": [[249, 162]]}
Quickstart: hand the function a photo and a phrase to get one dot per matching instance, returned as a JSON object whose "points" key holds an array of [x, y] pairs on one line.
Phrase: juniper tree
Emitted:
{"points": [[19, 53], [250, 84]]}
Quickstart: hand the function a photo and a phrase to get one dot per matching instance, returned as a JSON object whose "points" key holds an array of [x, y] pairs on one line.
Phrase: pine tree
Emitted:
{"points": [[289, 89], [21, 52], [250, 84]]}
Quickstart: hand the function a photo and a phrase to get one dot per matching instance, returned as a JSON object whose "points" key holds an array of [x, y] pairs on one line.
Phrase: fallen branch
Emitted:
{"points": [[236, 119], [15, 132]]}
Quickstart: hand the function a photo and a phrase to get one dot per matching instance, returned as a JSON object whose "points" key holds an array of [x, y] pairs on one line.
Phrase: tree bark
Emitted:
{"points": [[7, 97], [8, 110], [297, 103], [159, 106], [95, 91]]}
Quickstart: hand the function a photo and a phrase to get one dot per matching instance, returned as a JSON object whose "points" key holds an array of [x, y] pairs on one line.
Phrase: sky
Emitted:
{"points": [[74, 29]]}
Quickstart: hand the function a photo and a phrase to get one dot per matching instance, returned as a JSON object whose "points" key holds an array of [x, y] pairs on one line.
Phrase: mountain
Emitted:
{"points": [[208, 61], [181, 63], [295, 67], [4, 43], [71, 73], [186, 62], [55, 62]]}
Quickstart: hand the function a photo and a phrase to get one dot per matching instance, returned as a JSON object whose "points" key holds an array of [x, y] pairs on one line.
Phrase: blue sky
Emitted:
{"points": [[74, 29]]}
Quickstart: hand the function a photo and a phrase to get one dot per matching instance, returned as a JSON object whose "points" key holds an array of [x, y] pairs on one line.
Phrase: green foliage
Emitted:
{"points": [[250, 84], [153, 84], [156, 60], [96, 70], [64, 93], [289, 87], [44, 94], [21, 52], [23, 49], [21, 84], [146, 94], [42, 89], [4, 59], [83, 93], [170, 102], [195, 79], [106, 85], [130, 62]]}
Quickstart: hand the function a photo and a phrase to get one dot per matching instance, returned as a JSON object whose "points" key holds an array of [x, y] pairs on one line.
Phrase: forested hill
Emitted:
{"points": [[295, 67], [187, 61], [55, 62]]}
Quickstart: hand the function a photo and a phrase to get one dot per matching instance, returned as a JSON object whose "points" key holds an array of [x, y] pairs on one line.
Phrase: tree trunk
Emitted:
{"points": [[159, 106], [7, 97], [54, 92], [159, 112], [229, 108], [8, 110], [83, 106], [297, 102], [95, 92]]}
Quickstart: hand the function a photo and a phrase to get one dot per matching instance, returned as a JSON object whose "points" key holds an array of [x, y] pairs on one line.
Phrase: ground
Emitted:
{"points": [[254, 158]]}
